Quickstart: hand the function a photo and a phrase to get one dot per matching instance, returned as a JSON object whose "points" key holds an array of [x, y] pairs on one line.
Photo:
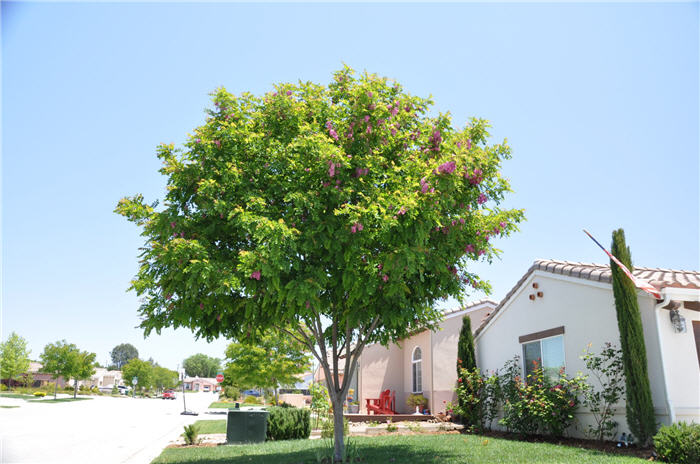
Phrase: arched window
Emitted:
{"points": [[417, 371]]}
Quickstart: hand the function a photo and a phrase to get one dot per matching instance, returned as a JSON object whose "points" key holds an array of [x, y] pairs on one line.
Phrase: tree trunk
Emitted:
{"points": [[55, 387], [75, 388], [338, 432], [277, 399]]}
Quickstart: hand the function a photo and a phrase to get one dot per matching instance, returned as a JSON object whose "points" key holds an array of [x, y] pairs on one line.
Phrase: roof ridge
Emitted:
{"points": [[540, 261]]}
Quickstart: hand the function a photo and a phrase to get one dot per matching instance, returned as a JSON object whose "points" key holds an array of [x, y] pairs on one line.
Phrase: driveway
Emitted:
{"points": [[103, 429]]}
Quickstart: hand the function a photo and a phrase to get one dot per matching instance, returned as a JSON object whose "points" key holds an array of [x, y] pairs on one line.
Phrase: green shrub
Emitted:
{"points": [[39, 394], [417, 400], [191, 433], [288, 423], [3, 387], [327, 428], [230, 392], [678, 443], [250, 399]]}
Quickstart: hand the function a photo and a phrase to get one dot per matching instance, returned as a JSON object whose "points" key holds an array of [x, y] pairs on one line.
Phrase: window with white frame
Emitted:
{"points": [[546, 352], [417, 371]]}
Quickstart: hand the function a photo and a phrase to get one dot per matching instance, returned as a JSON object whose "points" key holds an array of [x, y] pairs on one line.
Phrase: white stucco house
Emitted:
{"points": [[424, 363], [558, 308]]}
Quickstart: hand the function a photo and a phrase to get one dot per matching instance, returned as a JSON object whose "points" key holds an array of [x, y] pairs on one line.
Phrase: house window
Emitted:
{"points": [[547, 351], [417, 371]]}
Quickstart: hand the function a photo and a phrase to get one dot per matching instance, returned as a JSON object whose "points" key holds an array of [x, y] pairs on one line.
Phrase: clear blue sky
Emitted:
{"points": [[599, 103]]}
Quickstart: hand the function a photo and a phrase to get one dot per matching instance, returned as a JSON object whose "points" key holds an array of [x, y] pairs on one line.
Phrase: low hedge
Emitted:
{"points": [[678, 443], [285, 423]]}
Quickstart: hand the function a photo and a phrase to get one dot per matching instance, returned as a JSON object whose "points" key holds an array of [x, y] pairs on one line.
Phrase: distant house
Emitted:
{"points": [[558, 308], [201, 384], [424, 363], [103, 379]]}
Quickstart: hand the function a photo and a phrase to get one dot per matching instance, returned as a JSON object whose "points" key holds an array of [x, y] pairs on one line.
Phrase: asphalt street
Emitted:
{"points": [[102, 429]]}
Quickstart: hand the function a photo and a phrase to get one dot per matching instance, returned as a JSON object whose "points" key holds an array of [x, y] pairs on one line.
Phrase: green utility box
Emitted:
{"points": [[246, 426]]}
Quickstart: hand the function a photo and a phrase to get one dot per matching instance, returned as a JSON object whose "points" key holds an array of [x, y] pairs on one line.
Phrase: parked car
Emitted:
{"points": [[124, 390], [169, 395]]}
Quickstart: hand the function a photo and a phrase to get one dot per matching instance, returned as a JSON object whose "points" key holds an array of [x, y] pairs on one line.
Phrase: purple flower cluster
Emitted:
{"points": [[331, 168], [255, 275], [435, 140], [357, 227], [476, 177], [447, 168], [425, 186], [217, 143], [359, 172], [331, 130], [469, 248], [482, 199]]}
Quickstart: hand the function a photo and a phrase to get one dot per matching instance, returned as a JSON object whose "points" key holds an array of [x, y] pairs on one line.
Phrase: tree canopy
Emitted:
{"points": [[272, 361], [339, 213], [201, 365], [141, 370], [58, 359], [14, 358], [82, 367], [122, 354]]}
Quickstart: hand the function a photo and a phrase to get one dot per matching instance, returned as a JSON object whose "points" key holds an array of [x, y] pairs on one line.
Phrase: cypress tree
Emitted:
{"points": [[640, 409], [465, 347]]}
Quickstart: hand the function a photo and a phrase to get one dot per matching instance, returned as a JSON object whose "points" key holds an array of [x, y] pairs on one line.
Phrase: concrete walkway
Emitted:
{"points": [[103, 429]]}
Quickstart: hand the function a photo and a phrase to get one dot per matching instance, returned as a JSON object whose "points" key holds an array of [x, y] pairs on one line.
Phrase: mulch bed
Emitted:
{"points": [[606, 446]]}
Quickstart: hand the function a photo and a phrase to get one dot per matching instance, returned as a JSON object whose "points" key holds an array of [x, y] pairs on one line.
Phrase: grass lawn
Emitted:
{"points": [[9, 407], [452, 448], [222, 405], [211, 426], [15, 395], [59, 400]]}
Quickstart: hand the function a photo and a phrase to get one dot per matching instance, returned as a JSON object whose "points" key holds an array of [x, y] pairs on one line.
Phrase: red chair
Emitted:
{"points": [[385, 404]]}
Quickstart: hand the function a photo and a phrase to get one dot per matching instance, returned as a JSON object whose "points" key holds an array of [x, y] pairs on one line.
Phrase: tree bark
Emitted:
{"points": [[75, 388], [338, 429], [55, 387]]}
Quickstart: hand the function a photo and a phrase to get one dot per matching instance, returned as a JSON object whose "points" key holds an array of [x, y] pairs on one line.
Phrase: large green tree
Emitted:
{"points": [[140, 370], [639, 406], [82, 367], [58, 359], [14, 358], [341, 213], [122, 354], [164, 378], [201, 365], [273, 361]]}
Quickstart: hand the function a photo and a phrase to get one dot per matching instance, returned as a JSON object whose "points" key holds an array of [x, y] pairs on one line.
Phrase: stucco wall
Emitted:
{"points": [[587, 311], [444, 362], [421, 340], [681, 362], [380, 369]]}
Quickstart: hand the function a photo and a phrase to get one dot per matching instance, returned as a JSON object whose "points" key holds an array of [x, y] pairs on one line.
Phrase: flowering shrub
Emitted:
{"points": [[542, 406], [608, 371]]}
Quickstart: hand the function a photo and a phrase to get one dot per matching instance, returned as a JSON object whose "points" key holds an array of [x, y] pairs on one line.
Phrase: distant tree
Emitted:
{"points": [[122, 354], [274, 361], [639, 406], [14, 358], [143, 370], [201, 365], [164, 378], [82, 367], [58, 359]]}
